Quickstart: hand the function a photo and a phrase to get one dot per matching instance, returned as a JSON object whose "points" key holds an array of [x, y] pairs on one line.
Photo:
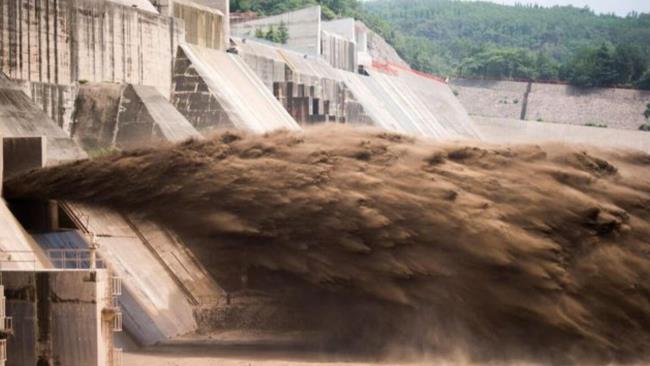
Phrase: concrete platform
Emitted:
{"points": [[501, 130]]}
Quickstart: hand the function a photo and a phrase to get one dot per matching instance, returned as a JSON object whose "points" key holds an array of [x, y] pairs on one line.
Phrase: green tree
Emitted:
{"points": [[283, 33], [646, 114], [271, 34], [259, 33]]}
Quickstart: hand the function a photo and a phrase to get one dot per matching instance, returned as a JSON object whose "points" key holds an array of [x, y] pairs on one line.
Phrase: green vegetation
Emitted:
{"points": [[593, 124], [281, 35], [486, 40]]}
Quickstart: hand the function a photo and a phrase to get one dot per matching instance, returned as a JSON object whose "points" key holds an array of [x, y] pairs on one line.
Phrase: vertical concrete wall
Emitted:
{"points": [[338, 51], [203, 26], [166, 7], [56, 100], [62, 41], [20, 117], [304, 27], [126, 116], [21, 154], [57, 316], [615, 108]]}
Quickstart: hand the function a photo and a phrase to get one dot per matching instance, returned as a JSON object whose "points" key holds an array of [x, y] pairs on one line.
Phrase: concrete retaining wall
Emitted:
{"points": [[62, 41], [486, 98], [203, 26], [57, 101], [615, 108], [304, 28]]}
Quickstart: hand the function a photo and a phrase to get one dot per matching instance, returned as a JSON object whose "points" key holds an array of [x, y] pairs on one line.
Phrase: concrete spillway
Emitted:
{"points": [[126, 116], [412, 104], [218, 90], [158, 295], [20, 117]]}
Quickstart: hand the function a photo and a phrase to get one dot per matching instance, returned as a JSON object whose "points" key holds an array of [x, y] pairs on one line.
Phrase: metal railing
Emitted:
{"points": [[73, 258], [18, 259], [117, 322]]}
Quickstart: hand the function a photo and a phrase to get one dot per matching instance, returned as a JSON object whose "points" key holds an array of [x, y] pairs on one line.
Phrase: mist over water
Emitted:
{"points": [[507, 253]]}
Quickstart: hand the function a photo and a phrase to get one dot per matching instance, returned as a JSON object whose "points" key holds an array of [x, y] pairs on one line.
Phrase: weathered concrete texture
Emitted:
{"points": [[139, 4], [58, 317], [95, 117], [616, 108], [20, 117], [304, 28], [18, 251], [216, 90], [440, 100], [57, 101], [491, 98], [502, 130], [166, 7], [409, 103], [21, 154], [125, 117], [339, 52], [378, 48], [339, 44], [155, 306], [274, 65], [62, 41], [203, 26]]}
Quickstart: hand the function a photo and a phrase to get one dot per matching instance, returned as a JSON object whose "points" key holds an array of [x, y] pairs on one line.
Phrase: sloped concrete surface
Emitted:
{"points": [[17, 248], [155, 307], [411, 104], [218, 90], [20, 117]]}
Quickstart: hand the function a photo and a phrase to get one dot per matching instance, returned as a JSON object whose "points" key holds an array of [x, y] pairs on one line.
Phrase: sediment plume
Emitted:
{"points": [[505, 252]]}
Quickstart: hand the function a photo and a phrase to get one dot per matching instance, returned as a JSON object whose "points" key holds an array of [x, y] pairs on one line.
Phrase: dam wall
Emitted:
{"points": [[216, 90], [126, 116], [557, 103], [303, 26], [63, 41], [159, 299]]}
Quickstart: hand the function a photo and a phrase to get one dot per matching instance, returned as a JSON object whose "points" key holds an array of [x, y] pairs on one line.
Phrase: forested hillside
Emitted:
{"points": [[487, 40], [481, 39]]}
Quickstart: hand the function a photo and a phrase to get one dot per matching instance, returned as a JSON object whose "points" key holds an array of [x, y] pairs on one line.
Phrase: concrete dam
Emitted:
{"points": [[90, 78]]}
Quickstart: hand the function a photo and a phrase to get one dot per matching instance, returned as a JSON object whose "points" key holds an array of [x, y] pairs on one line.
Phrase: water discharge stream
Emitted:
{"points": [[519, 252]]}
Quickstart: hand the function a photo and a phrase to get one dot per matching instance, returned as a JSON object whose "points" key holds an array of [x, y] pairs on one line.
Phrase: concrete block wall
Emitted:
{"points": [[203, 26], [166, 7], [192, 97], [304, 28], [63, 41], [215, 90], [491, 98], [616, 108], [338, 51]]}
